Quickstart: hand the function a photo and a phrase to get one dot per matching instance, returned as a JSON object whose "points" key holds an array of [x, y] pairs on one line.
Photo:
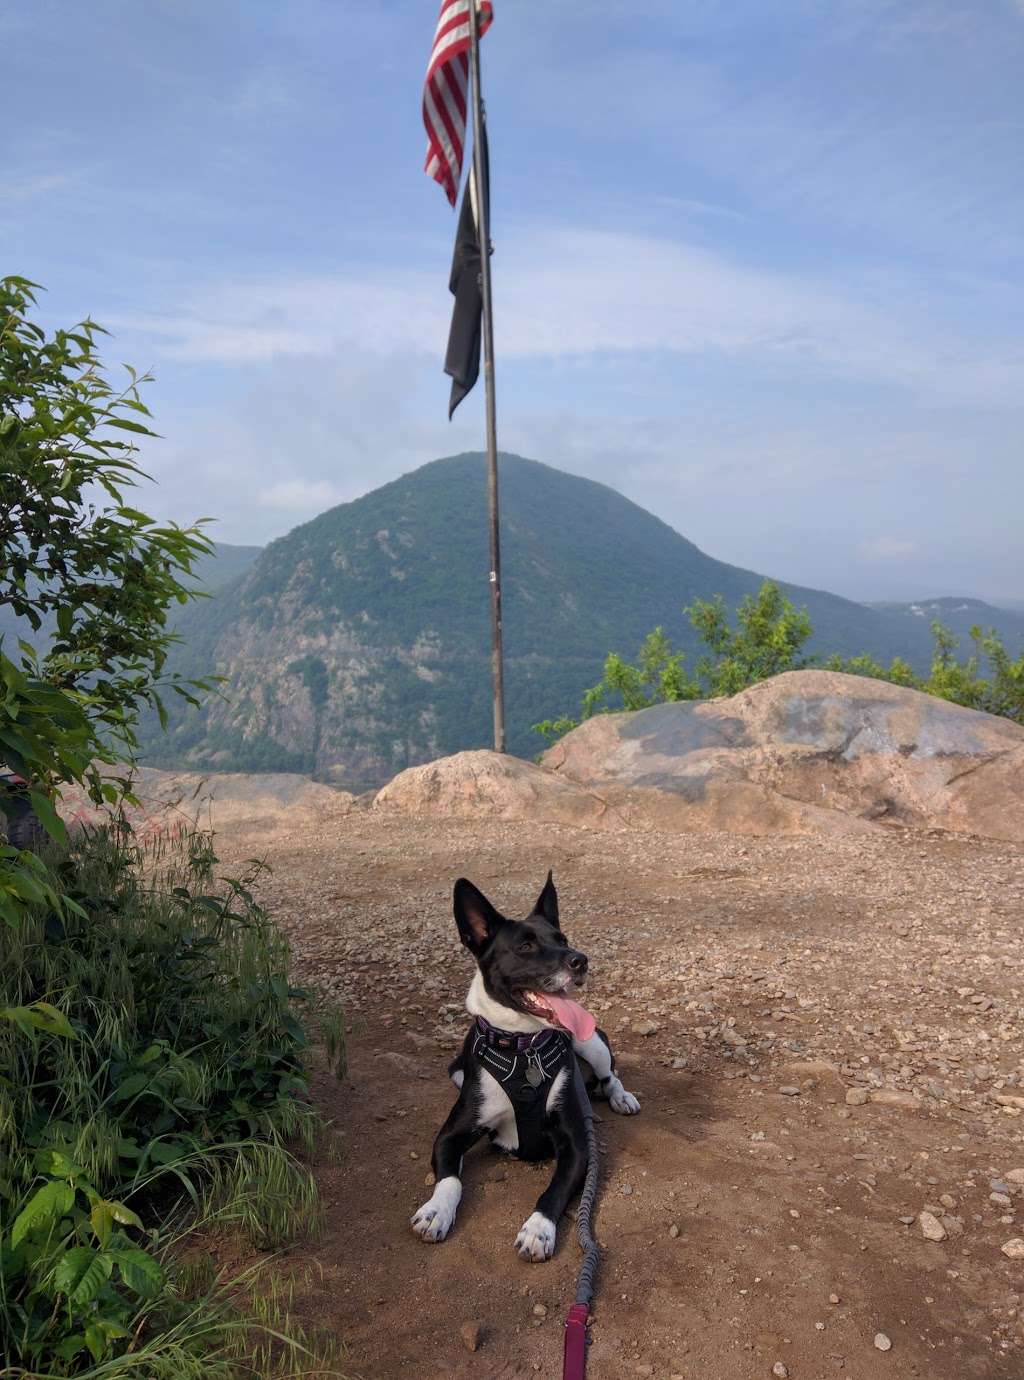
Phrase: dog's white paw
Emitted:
{"points": [[620, 1100], [433, 1221], [536, 1239]]}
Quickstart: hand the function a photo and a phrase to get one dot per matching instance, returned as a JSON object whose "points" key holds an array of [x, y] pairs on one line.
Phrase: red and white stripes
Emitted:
{"points": [[445, 91]]}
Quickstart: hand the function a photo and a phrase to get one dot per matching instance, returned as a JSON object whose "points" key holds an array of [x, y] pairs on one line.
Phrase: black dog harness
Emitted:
{"points": [[525, 1067]]}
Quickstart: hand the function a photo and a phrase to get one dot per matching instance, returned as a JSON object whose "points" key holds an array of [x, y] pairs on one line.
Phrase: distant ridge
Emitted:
{"points": [[358, 644]]}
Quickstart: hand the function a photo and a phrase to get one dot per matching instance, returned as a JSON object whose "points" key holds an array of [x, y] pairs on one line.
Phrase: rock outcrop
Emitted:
{"points": [[488, 785], [214, 800], [803, 751]]}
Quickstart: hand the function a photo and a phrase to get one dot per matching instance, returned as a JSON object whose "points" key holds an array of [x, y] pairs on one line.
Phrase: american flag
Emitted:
{"points": [[445, 91]]}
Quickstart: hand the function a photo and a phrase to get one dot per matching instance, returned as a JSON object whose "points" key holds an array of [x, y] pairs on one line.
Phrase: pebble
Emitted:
{"points": [[1013, 1250], [643, 1369], [882, 1342], [931, 1227], [413, 1155], [626, 1189], [833, 1298], [470, 1334], [856, 1097], [788, 1090], [892, 1097], [780, 1370], [540, 1310], [646, 1028], [1016, 1176], [1002, 1200], [673, 1231]]}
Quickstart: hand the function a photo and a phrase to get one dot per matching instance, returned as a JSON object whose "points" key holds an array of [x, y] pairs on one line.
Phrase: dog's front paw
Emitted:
{"points": [[433, 1221], [620, 1100], [536, 1239]]}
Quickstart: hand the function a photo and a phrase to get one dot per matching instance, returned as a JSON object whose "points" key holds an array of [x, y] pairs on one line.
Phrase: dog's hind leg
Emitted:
{"points": [[597, 1052], [433, 1221]]}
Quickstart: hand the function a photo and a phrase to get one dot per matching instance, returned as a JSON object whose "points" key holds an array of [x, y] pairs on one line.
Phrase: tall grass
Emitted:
{"points": [[152, 1082]]}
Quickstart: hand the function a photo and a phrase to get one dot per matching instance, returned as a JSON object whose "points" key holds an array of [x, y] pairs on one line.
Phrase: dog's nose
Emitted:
{"points": [[577, 963]]}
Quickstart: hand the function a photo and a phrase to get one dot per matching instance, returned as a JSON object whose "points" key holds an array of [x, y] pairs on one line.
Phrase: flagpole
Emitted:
{"points": [[483, 222]]}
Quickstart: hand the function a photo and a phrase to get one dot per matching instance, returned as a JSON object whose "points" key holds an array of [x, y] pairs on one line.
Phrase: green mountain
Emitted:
{"points": [[960, 615], [359, 643], [223, 565]]}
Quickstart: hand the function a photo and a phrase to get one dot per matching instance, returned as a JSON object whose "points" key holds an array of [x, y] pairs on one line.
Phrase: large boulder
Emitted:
{"points": [[803, 751], [488, 785]]}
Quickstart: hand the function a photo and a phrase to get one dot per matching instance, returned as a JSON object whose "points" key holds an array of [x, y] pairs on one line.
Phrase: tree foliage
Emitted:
{"points": [[988, 679], [77, 559], [768, 638]]}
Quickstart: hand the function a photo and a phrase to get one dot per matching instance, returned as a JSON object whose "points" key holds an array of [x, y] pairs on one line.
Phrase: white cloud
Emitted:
{"points": [[565, 293], [299, 496], [888, 549]]}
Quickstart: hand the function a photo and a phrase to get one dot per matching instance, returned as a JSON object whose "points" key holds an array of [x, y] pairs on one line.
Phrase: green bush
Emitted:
{"points": [[768, 638], [80, 565], [152, 1070]]}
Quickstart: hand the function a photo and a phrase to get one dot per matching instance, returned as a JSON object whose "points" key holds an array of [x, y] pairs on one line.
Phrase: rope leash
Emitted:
{"points": [[574, 1362]]}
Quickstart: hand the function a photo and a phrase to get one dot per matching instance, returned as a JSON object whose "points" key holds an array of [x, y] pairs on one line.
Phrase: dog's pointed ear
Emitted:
{"points": [[476, 918], [547, 903]]}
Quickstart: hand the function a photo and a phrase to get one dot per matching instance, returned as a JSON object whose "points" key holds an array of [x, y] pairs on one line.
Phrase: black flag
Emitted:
{"points": [[462, 361]]}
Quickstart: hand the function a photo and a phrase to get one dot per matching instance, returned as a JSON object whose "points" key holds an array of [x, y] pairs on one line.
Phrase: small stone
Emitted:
{"points": [[999, 1186], [1016, 1176], [1002, 1200], [540, 1310], [833, 1298], [780, 1370], [470, 1334], [643, 1369], [788, 1090], [626, 1189], [429, 1179], [646, 1028], [413, 1155], [931, 1227], [856, 1097], [882, 1342], [673, 1231], [947, 1200], [1013, 1250], [892, 1097]]}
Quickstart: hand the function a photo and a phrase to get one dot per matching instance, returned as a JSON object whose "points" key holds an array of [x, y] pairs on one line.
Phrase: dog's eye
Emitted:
{"points": [[527, 946]]}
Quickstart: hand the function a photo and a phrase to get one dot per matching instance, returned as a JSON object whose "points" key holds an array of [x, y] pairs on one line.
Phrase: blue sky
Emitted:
{"points": [[759, 266]]}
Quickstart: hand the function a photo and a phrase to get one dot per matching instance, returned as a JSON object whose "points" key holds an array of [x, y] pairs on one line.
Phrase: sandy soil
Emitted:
{"points": [[744, 1227]]}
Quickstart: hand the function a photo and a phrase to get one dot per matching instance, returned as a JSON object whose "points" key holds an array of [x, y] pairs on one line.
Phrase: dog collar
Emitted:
{"points": [[510, 1039]]}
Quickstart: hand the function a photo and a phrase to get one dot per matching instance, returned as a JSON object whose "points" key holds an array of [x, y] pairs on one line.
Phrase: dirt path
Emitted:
{"points": [[743, 1226]]}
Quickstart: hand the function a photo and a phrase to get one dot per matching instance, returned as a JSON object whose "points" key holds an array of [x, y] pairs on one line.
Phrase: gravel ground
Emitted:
{"points": [[827, 1035]]}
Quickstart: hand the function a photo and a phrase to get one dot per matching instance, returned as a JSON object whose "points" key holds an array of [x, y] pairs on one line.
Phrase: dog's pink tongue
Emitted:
{"points": [[570, 1015]]}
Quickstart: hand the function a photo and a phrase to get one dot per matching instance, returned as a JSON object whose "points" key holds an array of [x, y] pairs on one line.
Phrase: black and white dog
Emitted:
{"points": [[516, 1073]]}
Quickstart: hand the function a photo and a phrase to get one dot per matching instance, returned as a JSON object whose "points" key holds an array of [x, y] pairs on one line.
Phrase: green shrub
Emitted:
{"points": [[152, 1069], [769, 635], [768, 639]]}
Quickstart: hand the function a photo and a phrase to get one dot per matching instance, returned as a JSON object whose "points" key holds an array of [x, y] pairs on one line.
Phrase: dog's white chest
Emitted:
{"points": [[496, 1112]]}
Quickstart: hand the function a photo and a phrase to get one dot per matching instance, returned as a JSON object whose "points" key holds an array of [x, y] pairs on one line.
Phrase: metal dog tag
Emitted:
{"points": [[534, 1077]]}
